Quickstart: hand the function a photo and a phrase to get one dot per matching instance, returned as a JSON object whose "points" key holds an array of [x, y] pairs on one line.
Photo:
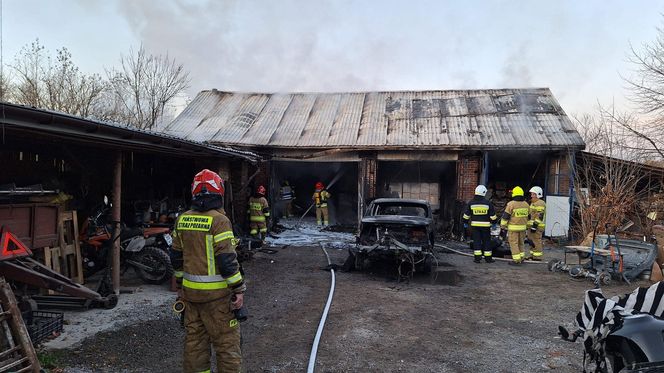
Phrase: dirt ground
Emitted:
{"points": [[472, 318]]}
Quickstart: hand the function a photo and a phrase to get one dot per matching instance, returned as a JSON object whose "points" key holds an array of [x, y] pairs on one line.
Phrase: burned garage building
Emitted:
{"points": [[431, 145]]}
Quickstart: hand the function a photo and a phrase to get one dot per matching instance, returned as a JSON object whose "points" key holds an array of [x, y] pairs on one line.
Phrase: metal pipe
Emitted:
{"points": [[321, 324], [115, 215]]}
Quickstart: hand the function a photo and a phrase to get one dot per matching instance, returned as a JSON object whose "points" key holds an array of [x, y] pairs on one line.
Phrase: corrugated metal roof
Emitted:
{"points": [[431, 119], [27, 117]]}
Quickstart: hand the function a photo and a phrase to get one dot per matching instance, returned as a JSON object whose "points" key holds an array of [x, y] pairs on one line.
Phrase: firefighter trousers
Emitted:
{"points": [[288, 208], [536, 238], [481, 241], [211, 324], [515, 239], [321, 212], [256, 227]]}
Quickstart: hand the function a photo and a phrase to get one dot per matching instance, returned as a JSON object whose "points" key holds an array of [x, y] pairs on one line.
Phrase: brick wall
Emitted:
{"points": [[468, 174], [368, 171]]}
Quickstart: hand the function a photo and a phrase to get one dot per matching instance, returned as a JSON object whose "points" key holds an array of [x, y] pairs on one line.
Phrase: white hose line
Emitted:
{"points": [[499, 259], [321, 324]]}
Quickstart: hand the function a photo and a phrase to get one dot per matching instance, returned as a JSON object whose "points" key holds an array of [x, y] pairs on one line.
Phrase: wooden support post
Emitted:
{"points": [[115, 214]]}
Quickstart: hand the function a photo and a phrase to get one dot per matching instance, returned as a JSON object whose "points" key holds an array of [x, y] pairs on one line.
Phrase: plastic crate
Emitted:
{"points": [[42, 324]]}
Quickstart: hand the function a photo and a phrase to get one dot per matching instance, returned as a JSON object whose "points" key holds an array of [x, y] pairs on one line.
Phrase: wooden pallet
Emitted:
{"points": [[66, 259]]}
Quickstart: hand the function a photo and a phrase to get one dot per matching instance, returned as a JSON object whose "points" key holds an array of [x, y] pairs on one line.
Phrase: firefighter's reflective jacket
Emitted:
{"points": [[258, 209], [537, 214], [480, 212], [320, 198], [210, 267], [286, 193], [515, 216]]}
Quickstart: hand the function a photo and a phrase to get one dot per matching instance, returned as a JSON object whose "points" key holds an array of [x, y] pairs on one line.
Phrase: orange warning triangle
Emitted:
{"points": [[12, 247]]}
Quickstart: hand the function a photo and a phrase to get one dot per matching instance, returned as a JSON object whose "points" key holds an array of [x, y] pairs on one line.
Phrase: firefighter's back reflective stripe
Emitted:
{"points": [[204, 285], [521, 212], [224, 236], [201, 223], [479, 209], [209, 253], [259, 218], [203, 278], [286, 193], [236, 278], [480, 223]]}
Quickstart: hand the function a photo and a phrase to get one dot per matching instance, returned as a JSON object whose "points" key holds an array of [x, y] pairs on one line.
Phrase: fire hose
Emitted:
{"points": [[441, 246], [321, 324]]}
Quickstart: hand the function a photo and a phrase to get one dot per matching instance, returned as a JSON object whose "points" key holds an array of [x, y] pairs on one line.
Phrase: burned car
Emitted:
{"points": [[396, 230]]}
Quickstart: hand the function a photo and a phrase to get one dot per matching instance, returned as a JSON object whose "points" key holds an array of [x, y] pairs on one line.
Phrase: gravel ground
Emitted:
{"points": [[469, 318]]}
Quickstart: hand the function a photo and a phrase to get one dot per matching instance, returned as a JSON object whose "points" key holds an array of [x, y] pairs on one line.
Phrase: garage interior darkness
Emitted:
{"points": [[86, 173], [302, 176], [507, 169]]}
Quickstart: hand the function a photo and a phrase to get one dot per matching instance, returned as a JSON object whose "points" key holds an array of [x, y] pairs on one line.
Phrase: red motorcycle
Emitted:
{"points": [[139, 247]]}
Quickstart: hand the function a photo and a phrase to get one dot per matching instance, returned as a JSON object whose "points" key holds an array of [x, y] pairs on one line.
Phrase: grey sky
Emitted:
{"points": [[577, 48]]}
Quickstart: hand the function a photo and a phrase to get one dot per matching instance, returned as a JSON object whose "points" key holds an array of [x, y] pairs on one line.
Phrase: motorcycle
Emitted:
{"points": [[150, 262]]}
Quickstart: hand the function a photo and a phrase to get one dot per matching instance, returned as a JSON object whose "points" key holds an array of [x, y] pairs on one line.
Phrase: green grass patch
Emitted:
{"points": [[49, 359]]}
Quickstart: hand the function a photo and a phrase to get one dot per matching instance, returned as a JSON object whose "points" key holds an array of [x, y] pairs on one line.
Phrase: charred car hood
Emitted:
{"points": [[397, 219]]}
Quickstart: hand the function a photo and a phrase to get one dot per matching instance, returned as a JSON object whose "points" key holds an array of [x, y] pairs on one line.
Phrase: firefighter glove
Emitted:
{"points": [[465, 225]]}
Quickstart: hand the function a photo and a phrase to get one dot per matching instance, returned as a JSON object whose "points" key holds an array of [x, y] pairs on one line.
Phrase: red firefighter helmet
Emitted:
{"points": [[260, 190], [320, 186], [207, 181]]}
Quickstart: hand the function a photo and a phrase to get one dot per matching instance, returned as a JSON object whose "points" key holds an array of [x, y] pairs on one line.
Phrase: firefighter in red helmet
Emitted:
{"points": [[320, 197], [210, 279], [259, 212]]}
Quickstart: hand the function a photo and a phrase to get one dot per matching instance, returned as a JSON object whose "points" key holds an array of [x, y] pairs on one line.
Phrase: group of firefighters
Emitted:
{"points": [[211, 282], [259, 209], [519, 221]]}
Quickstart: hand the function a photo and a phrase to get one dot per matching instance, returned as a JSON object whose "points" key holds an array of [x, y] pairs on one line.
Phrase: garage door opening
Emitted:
{"points": [[302, 177], [428, 180], [508, 169]]}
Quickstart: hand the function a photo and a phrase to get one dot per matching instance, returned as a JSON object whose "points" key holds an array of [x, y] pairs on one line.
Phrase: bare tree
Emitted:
{"points": [[142, 86], [611, 185], [55, 83], [6, 87], [646, 86]]}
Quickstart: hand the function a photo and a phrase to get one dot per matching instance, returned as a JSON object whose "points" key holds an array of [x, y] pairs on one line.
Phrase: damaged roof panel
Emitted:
{"points": [[322, 117], [294, 120], [373, 127], [268, 121], [435, 119], [347, 122]]}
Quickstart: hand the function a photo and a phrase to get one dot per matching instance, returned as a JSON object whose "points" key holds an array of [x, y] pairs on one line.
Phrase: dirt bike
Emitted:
{"points": [[151, 263]]}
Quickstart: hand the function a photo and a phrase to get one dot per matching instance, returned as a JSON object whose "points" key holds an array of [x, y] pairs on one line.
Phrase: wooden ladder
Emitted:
{"points": [[16, 351]]}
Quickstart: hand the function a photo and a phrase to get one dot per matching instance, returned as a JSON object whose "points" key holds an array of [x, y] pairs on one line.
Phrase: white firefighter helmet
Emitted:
{"points": [[480, 190], [537, 190]]}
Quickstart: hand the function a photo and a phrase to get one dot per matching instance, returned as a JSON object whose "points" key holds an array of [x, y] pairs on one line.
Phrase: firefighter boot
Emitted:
{"points": [[488, 257], [478, 258]]}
